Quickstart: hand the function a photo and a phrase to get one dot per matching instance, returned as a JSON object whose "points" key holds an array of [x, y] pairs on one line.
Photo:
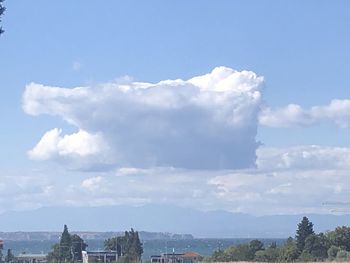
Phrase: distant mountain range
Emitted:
{"points": [[159, 221]]}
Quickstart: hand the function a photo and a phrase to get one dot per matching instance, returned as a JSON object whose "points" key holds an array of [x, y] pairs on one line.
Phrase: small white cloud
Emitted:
{"points": [[293, 115], [92, 184], [76, 66]]}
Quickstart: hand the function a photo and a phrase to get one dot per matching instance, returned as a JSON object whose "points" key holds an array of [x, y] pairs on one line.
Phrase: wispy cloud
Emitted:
{"points": [[76, 66]]}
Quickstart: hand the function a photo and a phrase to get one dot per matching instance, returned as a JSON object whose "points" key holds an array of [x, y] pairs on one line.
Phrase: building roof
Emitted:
{"points": [[190, 254], [31, 256]]}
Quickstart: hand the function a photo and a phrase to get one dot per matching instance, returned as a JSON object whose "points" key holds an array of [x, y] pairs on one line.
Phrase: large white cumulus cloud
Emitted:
{"points": [[207, 122]]}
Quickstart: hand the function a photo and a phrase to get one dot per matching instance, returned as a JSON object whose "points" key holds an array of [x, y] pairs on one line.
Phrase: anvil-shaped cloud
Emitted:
{"points": [[206, 122]]}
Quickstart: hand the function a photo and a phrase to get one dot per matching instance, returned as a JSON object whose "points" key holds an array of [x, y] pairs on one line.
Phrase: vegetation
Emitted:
{"points": [[9, 257], [128, 247], [305, 229], [69, 249], [2, 10], [306, 246]]}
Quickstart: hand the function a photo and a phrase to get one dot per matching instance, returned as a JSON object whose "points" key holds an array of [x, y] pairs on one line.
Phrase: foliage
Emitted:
{"points": [[218, 256], [270, 254], [316, 246], [241, 252], [54, 255], [129, 246], [340, 237], [307, 246], [332, 252], [69, 249], [306, 257], [9, 257], [305, 228], [343, 255], [289, 251], [2, 10], [65, 246], [77, 246], [115, 244]]}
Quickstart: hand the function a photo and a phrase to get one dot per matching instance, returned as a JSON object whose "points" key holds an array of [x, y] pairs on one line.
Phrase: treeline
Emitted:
{"points": [[306, 246], [128, 247], [69, 249]]}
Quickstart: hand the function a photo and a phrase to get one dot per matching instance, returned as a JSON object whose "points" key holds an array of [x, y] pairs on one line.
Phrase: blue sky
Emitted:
{"points": [[301, 48]]}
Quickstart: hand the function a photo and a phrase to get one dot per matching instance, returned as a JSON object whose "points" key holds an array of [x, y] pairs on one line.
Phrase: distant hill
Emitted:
{"points": [[161, 219], [52, 236]]}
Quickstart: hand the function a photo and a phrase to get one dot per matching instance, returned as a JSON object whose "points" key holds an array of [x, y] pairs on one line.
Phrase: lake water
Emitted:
{"points": [[205, 247]]}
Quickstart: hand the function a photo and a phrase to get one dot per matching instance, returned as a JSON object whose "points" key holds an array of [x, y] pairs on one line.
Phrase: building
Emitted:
{"points": [[100, 256], [31, 258], [188, 257]]}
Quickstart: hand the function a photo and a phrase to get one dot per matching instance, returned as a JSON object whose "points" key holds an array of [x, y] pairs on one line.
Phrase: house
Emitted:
{"points": [[191, 257], [31, 258], [100, 256], [188, 257]]}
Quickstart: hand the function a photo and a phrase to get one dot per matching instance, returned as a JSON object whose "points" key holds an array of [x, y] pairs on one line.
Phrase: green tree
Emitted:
{"points": [[2, 10], [65, 246], [305, 228], [332, 252], [343, 255], [129, 246], [9, 257], [340, 237], [316, 246], [242, 252], [256, 245], [115, 243], [289, 251], [69, 249], [219, 256], [78, 245], [270, 254]]}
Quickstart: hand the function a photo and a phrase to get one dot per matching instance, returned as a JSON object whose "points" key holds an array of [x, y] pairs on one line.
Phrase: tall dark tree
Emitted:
{"points": [[115, 243], [129, 246], [2, 10], [9, 257], [65, 246], [305, 228], [69, 249], [78, 246]]}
